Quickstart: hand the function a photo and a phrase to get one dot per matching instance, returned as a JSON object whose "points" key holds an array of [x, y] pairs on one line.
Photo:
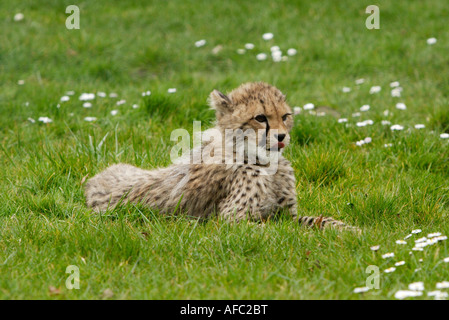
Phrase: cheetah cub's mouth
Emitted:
{"points": [[277, 147]]}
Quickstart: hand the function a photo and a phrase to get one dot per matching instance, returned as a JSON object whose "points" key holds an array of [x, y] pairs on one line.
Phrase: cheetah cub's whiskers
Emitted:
{"points": [[239, 184]]}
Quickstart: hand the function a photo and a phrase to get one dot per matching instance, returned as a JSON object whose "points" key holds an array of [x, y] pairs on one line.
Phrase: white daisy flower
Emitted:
{"points": [[444, 136], [388, 145], [419, 126], [120, 102], [401, 106], [442, 296], [241, 51], [87, 105], [361, 290], [435, 234], [113, 95], [396, 127], [267, 36], [402, 294], [390, 270], [21, 82], [261, 56], [360, 143], [291, 52], [356, 114], [386, 113], [416, 231], [401, 242], [200, 43], [421, 240], [365, 123], [446, 260], [375, 248], [396, 92], [135, 106], [439, 295], [385, 122], [421, 245], [443, 285], [394, 84], [277, 56], [87, 96], [65, 98], [45, 119], [70, 93], [416, 286], [399, 263], [18, 17], [388, 255], [342, 120], [431, 41], [309, 106], [249, 46], [114, 112], [365, 107], [368, 140], [359, 81], [275, 48], [375, 89], [408, 236], [171, 90], [31, 120], [90, 119], [101, 94]]}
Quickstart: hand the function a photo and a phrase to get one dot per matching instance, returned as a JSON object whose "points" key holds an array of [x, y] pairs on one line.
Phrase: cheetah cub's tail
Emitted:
{"points": [[115, 184], [326, 222]]}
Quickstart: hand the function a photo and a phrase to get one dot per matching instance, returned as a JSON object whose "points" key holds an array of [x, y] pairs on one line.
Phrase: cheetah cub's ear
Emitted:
{"points": [[220, 102]]}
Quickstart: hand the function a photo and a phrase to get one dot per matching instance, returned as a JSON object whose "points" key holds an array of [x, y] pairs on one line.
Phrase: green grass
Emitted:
{"points": [[129, 47]]}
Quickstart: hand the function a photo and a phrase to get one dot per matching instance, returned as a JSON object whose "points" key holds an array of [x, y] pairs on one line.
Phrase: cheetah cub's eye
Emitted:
{"points": [[261, 118], [284, 117]]}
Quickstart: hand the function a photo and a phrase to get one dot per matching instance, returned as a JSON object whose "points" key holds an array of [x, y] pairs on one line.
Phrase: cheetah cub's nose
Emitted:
{"points": [[280, 137]]}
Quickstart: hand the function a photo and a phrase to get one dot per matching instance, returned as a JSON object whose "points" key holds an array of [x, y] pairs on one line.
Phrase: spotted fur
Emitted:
{"points": [[235, 192]]}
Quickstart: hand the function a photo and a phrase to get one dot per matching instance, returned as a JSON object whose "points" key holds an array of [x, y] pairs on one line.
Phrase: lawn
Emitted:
{"points": [[388, 187]]}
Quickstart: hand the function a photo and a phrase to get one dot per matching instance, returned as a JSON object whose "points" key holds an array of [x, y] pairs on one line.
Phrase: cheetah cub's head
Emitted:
{"points": [[257, 106]]}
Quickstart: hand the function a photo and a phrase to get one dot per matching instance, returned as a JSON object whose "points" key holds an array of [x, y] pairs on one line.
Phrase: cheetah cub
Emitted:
{"points": [[248, 178]]}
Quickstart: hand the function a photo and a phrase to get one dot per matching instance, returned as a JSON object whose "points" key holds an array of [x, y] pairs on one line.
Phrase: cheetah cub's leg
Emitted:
{"points": [[326, 222]]}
